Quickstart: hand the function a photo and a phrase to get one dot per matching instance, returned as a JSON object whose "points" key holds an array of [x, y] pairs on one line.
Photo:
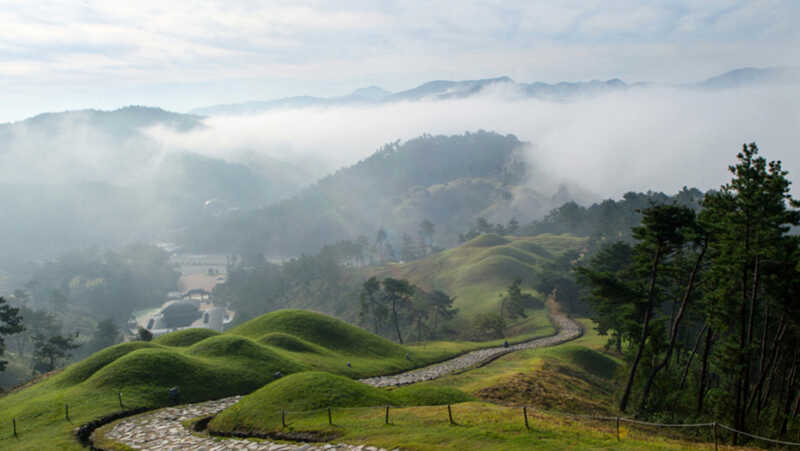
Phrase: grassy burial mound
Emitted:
{"points": [[481, 269], [260, 412], [577, 377], [204, 365], [186, 337]]}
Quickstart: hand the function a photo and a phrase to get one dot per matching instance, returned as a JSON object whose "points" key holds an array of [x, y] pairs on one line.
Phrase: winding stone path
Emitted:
{"points": [[567, 330], [162, 429]]}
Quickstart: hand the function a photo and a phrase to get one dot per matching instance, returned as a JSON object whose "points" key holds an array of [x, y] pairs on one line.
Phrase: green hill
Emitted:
{"points": [[448, 180], [478, 271], [259, 411], [204, 365]]}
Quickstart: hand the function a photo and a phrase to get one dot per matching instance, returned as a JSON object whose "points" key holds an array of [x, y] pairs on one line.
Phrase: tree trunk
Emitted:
{"points": [[789, 395], [396, 323], [701, 391], [673, 334], [765, 371], [691, 355], [742, 360], [743, 391], [623, 404]]}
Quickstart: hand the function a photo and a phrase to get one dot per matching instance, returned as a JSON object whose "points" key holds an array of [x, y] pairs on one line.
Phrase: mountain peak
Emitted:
{"points": [[374, 93]]}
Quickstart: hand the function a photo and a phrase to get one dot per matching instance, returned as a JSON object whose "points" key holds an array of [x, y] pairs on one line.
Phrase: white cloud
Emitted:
{"points": [[296, 47], [641, 139]]}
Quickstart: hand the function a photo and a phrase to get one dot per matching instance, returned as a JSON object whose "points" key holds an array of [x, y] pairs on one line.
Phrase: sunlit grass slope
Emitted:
{"points": [[204, 365], [260, 411], [576, 377], [478, 271], [479, 425]]}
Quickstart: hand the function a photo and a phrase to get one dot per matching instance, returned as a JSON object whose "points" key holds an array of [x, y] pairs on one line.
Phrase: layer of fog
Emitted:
{"points": [[640, 139]]}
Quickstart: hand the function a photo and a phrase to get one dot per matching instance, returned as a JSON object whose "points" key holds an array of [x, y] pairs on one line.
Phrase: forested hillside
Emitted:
{"points": [[88, 178], [703, 303], [610, 219], [446, 180]]}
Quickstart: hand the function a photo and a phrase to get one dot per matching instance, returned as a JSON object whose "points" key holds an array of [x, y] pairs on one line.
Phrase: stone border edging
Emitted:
{"points": [[84, 432]]}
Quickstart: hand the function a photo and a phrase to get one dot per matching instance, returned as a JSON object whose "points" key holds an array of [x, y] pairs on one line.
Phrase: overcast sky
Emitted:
{"points": [[58, 55]]}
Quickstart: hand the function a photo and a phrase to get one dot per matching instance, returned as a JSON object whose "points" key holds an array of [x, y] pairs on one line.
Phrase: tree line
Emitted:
{"points": [[392, 305], [704, 303]]}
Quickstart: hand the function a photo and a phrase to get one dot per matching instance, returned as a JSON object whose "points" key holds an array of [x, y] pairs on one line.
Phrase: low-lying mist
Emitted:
{"points": [[142, 174], [643, 138]]}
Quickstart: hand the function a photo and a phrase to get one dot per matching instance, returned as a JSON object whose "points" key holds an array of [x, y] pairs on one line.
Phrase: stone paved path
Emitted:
{"points": [[567, 330], [162, 429]]}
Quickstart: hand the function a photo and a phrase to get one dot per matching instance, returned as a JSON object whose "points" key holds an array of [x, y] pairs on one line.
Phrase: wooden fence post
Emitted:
{"points": [[119, 397], [387, 414], [450, 414], [716, 438], [14, 423], [330, 420], [66, 411], [283, 417], [525, 414], [617, 428]]}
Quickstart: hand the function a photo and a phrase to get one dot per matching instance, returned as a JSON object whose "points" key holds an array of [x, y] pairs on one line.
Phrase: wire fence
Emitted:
{"points": [[282, 419], [713, 428]]}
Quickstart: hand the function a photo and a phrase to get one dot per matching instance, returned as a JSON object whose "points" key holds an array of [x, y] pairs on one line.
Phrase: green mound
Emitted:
{"points": [[290, 343], [161, 367], [313, 390], [532, 248], [260, 410], [487, 240], [480, 270], [523, 257], [321, 330], [198, 378], [488, 268], [204, 365], [82, 370], [231, 346], [186, 337]]}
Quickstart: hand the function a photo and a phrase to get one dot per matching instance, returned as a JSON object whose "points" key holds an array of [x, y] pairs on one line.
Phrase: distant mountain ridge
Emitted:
{"points": [[447, 89], [432, 90], [752, 75]]}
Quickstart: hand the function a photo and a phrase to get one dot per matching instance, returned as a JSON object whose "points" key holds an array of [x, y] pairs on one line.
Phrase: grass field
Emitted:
{"points": [[479, 425], [260, 410], [576, 377], [204, 365], [478, 271]]}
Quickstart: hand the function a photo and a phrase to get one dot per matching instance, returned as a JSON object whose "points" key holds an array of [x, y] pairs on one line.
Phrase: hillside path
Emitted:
{"points": [[162, 429], [567, 328]]}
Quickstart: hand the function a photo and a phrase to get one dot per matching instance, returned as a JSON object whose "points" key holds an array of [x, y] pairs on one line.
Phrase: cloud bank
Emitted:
{"points": [[182, 54], [639, 139]]}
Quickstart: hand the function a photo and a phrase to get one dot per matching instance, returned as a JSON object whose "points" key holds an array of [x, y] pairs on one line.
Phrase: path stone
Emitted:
{"points": [[162, 430], [567, 330]]}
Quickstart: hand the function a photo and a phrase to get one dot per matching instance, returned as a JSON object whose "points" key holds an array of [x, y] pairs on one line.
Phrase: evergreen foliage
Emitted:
{"points": [[704, 306]]}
